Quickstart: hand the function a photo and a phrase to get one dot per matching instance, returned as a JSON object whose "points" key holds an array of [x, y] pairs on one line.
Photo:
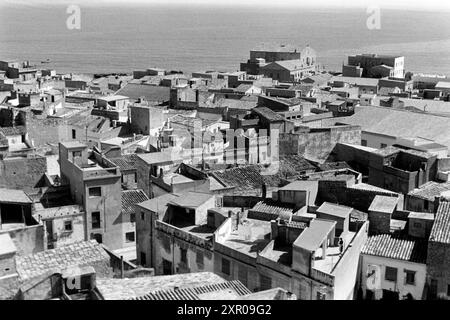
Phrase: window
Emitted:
{"points": [[226, 266], [74, 134], [98, 237], [95, 192], [417, 224], [132, 217], [383, 145], [76, 154], [183, 254], [143, 259], [129, 237], [142, 216], [425, 205], [364, 142], [265, 282], [199, 258], [390, 274], [95, 220], [321, 296], [68, 225], [448, 290], [410, 277]]}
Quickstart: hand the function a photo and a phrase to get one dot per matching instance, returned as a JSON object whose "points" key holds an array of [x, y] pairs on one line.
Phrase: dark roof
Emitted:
{"points": [[441, 227], [125, 162], [149, 92], [268, 114], [130, 198], [235, 287], [396, 247], [13, 131], [244, 178], [293, 165]]}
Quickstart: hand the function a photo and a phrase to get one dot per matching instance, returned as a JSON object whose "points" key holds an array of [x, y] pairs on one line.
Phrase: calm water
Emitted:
{"points": [[116, 39]]}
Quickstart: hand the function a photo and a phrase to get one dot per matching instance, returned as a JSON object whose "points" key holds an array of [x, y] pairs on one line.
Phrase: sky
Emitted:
{"points": [[428, 5]]}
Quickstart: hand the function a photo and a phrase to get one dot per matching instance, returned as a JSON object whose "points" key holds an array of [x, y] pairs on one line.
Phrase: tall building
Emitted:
{"points": [[94, 184]]}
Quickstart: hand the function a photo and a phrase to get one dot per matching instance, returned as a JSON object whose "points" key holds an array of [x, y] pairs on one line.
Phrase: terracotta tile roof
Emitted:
{"points": [[293, 165], [430, 190], [232, 289], [245, 177], [119, 289], [82, 253], [125, 162], [130, 198], [271, 207], [396, 247], [441, 227]]}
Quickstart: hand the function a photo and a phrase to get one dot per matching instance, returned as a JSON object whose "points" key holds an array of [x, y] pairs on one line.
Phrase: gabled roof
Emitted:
{"points": [[441, 227], [126, 162], [82, 253], [396, 247], [130, 198]]}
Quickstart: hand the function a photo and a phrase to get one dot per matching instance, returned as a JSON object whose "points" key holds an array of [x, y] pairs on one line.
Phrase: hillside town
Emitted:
{"points": [[280, 181]]}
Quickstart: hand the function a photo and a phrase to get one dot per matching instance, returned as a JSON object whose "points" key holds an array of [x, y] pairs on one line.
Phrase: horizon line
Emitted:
{"points": [[199, 3]]}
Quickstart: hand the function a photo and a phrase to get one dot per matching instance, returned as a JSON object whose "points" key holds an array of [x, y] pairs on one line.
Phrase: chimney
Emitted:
{"points": [[273, 229], [264, 190]]}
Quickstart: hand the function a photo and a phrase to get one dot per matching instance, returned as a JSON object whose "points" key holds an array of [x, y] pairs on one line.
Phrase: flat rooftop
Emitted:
{"points": [[332, 255], [251, 237]]}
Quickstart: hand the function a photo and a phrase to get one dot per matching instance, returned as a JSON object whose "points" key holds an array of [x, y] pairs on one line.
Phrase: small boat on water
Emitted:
{"points": [[46, 61]]}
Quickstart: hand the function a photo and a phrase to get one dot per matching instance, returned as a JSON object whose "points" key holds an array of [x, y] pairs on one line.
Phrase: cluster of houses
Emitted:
{"points": [[278, 181]]}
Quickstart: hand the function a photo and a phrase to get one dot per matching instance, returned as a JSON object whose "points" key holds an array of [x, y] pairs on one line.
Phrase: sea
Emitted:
{"points": [[199, 38]]}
